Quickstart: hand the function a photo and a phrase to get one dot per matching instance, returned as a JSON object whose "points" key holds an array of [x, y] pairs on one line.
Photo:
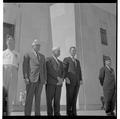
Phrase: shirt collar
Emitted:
{"points": [[34, 52], [13, 51], [108, 67], [9, 50], [55, 58], [73, 58]]}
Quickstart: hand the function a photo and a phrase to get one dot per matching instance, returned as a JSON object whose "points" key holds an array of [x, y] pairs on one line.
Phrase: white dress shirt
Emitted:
{"points": [[56, 59], [108, 67], [36, 54], [74, 60], [10, 57]]}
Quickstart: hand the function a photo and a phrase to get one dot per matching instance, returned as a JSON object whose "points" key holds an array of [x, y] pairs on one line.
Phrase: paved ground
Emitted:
{"points": [[80, 113]]}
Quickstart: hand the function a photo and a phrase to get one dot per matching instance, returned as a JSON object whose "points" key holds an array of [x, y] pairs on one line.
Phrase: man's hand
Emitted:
{"points": [[45, 82], [60, 81], [27, 81], [67, 80], [81, 82]]}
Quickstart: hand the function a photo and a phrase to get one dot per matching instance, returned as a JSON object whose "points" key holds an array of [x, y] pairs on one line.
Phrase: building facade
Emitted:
{"points": [[90, 28]]}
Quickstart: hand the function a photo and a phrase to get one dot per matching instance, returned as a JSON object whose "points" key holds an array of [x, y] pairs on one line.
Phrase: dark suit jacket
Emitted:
{"points": [[107, 78], [71, 71], [33, 69], [53, 70]]}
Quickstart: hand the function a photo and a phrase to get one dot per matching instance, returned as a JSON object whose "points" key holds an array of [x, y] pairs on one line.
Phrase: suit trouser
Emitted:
{"points": [[5, 105], [33, 89], [53, 92], [71, 98], [109, 96], [10, 78]]}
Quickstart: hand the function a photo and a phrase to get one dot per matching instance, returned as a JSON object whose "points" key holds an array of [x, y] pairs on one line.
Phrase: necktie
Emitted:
{"points": [[110, 69], [57, 62], [74, 62], [38, 56]]}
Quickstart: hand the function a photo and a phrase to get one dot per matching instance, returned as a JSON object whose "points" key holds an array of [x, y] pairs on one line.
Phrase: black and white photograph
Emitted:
{"points": [[59, 59]]}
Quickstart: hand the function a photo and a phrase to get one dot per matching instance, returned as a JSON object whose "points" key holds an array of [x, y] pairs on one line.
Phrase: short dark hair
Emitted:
{"points": [[72, 47]]}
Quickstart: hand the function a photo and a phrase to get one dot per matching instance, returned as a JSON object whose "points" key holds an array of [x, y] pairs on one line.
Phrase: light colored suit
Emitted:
{"points": [[34, 68]]}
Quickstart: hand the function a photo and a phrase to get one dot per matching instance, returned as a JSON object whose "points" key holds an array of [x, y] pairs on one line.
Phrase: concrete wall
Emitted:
{"points": [[89, 20]]}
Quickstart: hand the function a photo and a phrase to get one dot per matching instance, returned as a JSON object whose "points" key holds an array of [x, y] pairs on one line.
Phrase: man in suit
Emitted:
{"points": [[10, 72], [73, 77], [34, 72], [54, 82], [107, 81]]}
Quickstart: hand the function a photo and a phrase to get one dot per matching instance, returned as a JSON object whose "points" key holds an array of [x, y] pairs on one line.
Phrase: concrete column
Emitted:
{"points": [[63, 33], [80, 54]]}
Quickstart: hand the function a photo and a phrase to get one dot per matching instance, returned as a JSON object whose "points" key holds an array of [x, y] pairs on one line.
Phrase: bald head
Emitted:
{"points": [[56, 51], [36, 45]]}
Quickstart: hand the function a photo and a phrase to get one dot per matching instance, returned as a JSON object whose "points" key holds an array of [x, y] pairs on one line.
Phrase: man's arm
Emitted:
{"points": [[65, 67], [45, 70], [26, 66], [101, 76], [61, 78], [63, 72], [80, 72]]}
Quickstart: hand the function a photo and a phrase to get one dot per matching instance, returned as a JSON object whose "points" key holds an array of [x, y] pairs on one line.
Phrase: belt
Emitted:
{"points": [[9, 66]]}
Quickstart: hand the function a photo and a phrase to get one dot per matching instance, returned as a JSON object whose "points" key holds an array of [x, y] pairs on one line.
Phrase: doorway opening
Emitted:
{"points": [[8, 29]]}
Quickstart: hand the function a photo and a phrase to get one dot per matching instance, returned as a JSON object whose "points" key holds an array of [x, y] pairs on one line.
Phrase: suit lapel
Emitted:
{"points": [[55, 64], [75, 65], [39, 57], [109, 70], [76, 62], [36, 58], [59, 64]]}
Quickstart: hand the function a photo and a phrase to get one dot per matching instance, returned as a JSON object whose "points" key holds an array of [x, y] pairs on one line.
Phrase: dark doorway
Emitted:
{"points": [[8, 29]]}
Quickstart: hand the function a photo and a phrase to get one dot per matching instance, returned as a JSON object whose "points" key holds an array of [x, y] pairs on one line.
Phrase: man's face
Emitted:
{"points": [[11, 44], [108, 63], [73, 52], [57, 52], [36, 47]]}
